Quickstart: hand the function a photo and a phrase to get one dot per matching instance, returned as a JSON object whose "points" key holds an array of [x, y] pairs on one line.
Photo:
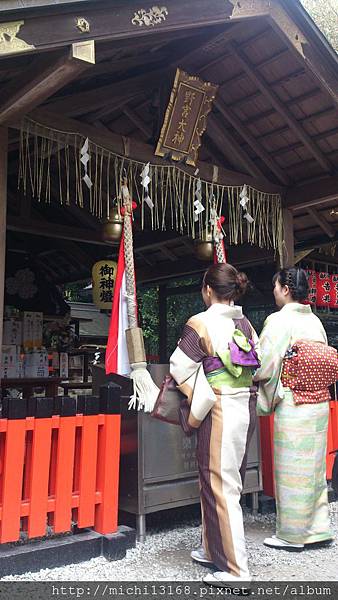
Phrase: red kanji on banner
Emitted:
{"points": [[324, 289], [334, 294]]}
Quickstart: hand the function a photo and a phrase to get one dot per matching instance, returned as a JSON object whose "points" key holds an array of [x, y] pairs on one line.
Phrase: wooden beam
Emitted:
{"points": [[135, 119], [281, 130], [312, 194], [114, 95], [109, 108], [309, 119], [123, 20], [323, 224], [3, 210], [41, 81], [237, 78], [302, 254], [124, 89], [144, 259], [280, 107], [289, 24], [168, 253], [230, 116], [240, 256], [319, 136], [230, 147], [144, 152], [116, 65], [248, 98], [315, 242], [53, 230]]}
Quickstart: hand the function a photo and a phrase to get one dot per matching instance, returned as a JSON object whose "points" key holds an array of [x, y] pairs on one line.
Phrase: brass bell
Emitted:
{"points": [[204, 247], [112, 228]]}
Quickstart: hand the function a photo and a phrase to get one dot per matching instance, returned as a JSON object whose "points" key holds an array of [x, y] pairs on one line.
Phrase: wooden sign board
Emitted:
{"points": [[103, 276], [185, 119]]}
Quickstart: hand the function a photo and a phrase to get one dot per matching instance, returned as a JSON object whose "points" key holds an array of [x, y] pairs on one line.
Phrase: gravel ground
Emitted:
{"points": [[165, 555]]}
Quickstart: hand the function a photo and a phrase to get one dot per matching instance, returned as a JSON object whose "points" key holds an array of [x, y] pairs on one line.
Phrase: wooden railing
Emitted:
{"points": [[61, 469]]}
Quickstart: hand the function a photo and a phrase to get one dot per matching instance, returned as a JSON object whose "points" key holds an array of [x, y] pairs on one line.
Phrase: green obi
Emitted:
{"points": [[235, 376]]}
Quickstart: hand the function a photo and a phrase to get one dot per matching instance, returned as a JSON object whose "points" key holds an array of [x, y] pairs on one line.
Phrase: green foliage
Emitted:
{"points": [[77, 292], [180, 308], [149, 318]]}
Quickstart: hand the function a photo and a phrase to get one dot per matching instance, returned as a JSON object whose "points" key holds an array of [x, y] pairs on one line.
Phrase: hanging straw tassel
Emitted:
{"points": [[145, 390]]}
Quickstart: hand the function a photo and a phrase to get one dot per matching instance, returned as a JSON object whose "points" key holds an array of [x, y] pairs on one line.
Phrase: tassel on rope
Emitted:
{"points": [[145, 391]]}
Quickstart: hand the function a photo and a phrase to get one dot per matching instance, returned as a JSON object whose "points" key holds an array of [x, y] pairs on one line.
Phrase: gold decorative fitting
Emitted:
{"points": [[82, 24], [153, 16], [9, 43]]}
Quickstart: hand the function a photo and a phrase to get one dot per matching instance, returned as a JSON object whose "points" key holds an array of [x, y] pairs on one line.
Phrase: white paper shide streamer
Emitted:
{"points": [[243, 202], [145, 180], [199, 208], [85, 158]]}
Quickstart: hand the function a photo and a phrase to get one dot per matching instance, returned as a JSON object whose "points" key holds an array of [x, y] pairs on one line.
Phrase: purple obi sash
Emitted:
{"points": [[211, 363], [245, 359]]}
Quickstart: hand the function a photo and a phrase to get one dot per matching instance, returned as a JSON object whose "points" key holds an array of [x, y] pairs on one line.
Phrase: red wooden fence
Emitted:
{"points": [[58, 470], [266, 431]]}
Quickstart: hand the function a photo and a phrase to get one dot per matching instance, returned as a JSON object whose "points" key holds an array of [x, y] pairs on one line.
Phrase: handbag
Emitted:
{"points": [[172, 406], [168, 403]]}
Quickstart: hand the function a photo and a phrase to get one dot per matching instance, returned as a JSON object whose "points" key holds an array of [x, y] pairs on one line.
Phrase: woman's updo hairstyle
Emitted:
{"points": [[226, 282], [296, 280]]}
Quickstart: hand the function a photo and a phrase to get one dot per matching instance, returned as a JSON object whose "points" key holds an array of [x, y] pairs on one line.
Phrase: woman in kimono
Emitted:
{"points": [[213, 365], [300, 430]]}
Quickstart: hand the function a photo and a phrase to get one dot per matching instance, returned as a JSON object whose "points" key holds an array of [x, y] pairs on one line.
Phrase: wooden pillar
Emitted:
{"points": [[288, 239], [162, 308], [3, 210]]}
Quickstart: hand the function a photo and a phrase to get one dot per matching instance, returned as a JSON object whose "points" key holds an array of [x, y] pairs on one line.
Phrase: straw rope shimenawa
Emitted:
{"points": [[145, 391], [50, 159]]}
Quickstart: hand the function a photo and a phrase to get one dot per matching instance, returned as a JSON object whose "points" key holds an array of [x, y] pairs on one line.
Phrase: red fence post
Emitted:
{"points": [[13, 469], [65, 466], [108, 460], [39, 475], [88, 464], [267, 449]]}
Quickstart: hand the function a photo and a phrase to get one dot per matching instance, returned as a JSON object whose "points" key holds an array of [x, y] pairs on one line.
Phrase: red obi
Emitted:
{"points": [[309, 368]]}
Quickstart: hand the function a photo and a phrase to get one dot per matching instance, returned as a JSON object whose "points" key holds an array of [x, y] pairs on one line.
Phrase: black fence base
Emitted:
{"points": [[32, 556]]}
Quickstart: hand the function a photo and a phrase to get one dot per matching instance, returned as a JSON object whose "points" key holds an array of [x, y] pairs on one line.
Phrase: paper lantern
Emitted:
{"points": [[103, 276], [334, 293], [324, 289], [312, 281]]}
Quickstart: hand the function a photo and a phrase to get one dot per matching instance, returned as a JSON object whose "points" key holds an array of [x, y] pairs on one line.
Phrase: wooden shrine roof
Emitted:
{"points": [[274, 121]]}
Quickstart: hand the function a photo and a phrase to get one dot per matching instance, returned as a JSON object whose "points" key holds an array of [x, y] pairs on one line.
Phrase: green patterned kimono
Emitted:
{"points": [[300, 431]]}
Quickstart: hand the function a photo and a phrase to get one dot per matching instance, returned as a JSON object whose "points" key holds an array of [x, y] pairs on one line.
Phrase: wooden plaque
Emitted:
{"points": [[185, 119]]}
